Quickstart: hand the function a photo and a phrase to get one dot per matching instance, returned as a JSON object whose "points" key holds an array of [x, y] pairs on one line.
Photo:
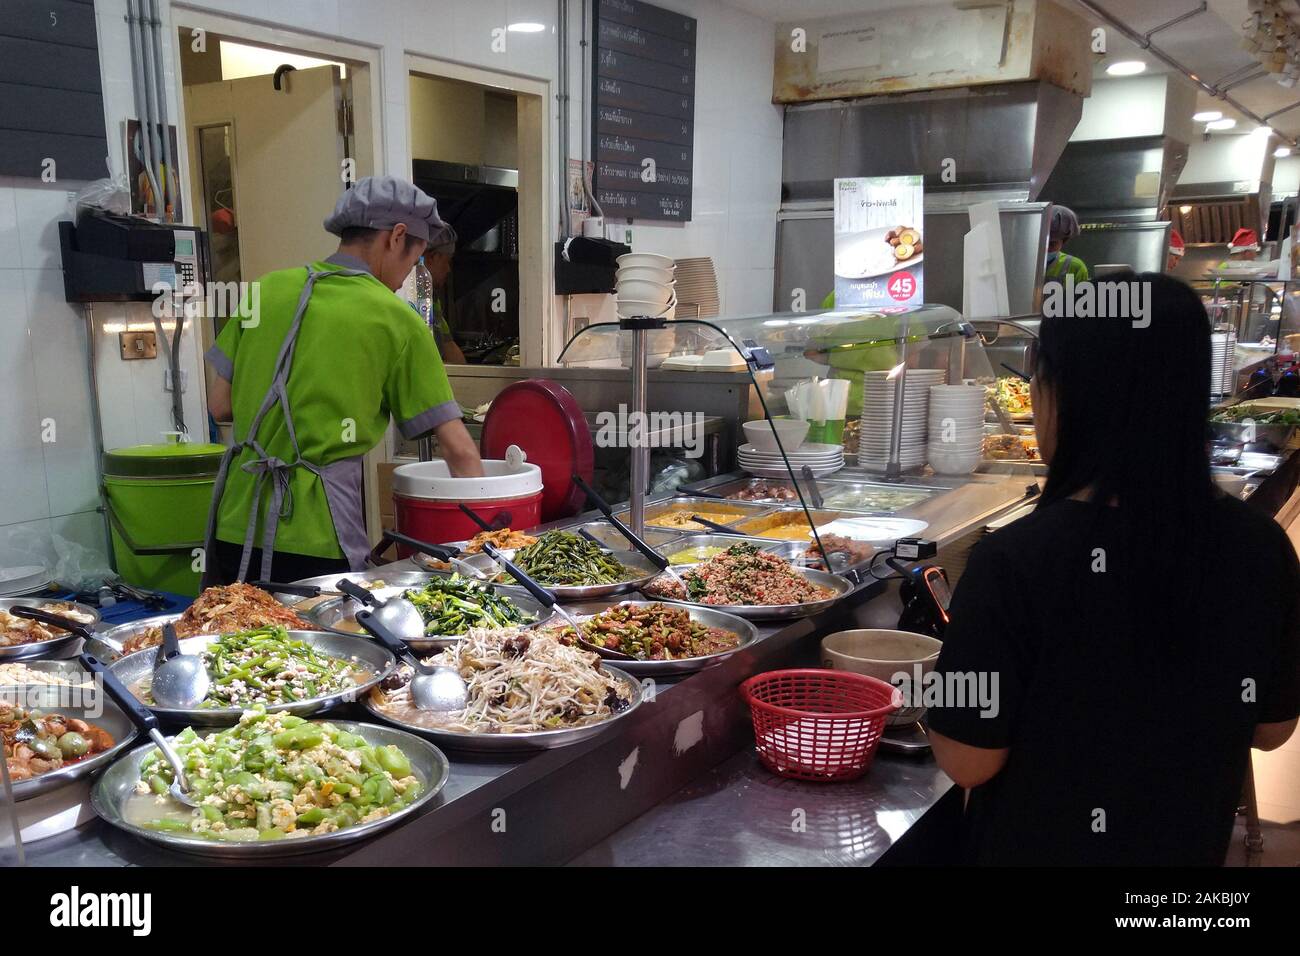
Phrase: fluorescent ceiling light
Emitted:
{"points": [[1126, 67], [1206, 116], [526, 26], [1225, 123], [1282, 151], [1184, 209]]}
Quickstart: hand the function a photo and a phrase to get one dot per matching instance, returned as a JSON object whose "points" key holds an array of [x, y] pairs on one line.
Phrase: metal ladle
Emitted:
{"points": [[146, 721], [442, 552], [397, 614], [433, 688], [180, 681]]}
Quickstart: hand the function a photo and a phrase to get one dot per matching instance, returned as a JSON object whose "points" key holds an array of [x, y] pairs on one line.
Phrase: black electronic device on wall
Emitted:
{"points": [[111, 258]]}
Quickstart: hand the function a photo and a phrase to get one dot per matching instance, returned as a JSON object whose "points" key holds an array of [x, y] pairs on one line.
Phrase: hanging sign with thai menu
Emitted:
{"points": [[643, 103], [879, 249]]}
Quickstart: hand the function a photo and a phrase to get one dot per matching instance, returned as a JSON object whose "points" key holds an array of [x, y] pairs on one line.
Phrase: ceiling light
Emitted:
{"points": [[1206, 116], [1282, 151], [1225, 123], [526, 26], [1126, 67], [1184, 209]]}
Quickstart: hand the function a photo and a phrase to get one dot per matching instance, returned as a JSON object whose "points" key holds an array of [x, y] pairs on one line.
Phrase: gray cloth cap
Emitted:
{"points": [[381, 202]]}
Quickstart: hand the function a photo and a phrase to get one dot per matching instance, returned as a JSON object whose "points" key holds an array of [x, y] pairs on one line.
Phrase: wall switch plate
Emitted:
{"points": [[138, 345], [167, 380]]}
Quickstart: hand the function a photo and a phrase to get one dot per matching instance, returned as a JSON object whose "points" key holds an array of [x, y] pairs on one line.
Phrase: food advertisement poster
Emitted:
{"points": [[879, 249]]}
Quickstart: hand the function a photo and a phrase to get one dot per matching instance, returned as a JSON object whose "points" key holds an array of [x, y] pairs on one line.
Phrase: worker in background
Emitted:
{"points": [[1244, 247], [310, 383], [1064, 227], [1177, 249], [438, 261]]}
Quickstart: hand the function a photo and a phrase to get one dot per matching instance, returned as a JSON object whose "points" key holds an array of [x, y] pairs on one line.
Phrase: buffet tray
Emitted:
{"points": [[522, 742], [57, 645], [741, 510], [831, 489], [762, 612], [369, 654], [118, 783]]}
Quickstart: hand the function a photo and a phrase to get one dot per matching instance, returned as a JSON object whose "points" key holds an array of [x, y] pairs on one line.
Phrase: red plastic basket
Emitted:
{"points": [[814, 724]]}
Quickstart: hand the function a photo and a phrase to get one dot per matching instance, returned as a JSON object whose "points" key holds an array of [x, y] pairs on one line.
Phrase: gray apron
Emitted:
{"points": [[342, 479]]}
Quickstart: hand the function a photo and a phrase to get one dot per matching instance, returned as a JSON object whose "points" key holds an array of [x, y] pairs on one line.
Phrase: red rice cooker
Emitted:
{"points": [[428, 499]]}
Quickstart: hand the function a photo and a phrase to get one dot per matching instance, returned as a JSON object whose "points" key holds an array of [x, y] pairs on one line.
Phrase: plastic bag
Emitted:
{"points": [[110, 194]]}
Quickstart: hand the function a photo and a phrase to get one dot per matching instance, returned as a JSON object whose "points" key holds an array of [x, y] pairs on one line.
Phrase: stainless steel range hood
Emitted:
{"points": [[1117, 180]]}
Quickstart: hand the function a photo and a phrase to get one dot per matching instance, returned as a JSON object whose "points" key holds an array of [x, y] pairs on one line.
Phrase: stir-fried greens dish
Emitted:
{"points": [[659, 632], [276, 776], [38, 741], [567, 559], [454, 605], [1260, 415], [742, 575]]}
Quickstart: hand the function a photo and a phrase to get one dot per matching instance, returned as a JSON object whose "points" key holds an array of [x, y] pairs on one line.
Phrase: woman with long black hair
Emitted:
{"points": [[1137, 633]]}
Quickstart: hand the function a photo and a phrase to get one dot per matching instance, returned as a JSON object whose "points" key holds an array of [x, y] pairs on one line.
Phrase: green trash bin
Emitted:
{"points": [[157, 498]]}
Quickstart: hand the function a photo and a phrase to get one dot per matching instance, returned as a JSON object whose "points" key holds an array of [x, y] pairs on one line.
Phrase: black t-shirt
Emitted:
{"points": [[1128, 735]]}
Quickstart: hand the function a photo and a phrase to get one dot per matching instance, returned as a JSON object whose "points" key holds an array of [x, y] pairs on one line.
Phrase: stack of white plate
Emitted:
{"points": [[878, 417], [697, 288], [823, 459], [1223, 369], [956, 428], [15, 582], [644, 285]]}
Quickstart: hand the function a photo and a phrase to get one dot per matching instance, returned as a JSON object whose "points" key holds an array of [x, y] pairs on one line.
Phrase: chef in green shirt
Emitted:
{"points": [[311, 381]]}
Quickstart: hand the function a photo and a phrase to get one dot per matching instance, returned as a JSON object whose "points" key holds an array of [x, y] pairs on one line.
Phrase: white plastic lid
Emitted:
{"points": [[431, 480]]}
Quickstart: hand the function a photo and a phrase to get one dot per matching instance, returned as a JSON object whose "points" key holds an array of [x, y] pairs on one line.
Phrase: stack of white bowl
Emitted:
{"points": [[645, 285], [956, 428], [878, 392]]}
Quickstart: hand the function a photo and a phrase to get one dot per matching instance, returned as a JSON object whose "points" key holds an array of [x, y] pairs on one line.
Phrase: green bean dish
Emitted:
{"points": [[453, 605], [271, 777], [569, 560], [268, 666]]}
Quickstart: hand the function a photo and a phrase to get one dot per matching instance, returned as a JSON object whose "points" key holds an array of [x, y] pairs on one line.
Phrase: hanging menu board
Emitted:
{"points": [[643, 104], [51, 107]]}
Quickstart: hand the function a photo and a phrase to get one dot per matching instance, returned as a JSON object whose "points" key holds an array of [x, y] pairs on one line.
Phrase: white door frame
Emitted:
{"points": [[539, 342]]}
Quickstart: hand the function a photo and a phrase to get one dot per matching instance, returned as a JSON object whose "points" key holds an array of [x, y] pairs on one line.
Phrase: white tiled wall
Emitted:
{"points": [[48, 490]]}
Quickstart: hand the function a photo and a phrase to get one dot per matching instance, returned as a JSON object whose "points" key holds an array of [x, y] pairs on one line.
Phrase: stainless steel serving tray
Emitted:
{"points": [[369, 654], [762, 612], [67, 669], [58, 645], [522, 742], [741, 509], [107, 645], [566, 593], [719, 540], [330, 582], [708, 616], [88, 704], [608, 535], [333, 614], [117, 784]]}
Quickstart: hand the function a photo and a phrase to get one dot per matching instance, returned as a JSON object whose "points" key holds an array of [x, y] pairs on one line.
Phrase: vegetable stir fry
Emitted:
{"points": [[1260, 415], [36, 742], [742, 575], [567, 559], [267, 666], [453, 605], [274, 776], [659, 632]]}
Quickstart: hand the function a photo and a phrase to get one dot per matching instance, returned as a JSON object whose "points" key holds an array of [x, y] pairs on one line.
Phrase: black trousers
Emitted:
{"points": [[285, 565]]}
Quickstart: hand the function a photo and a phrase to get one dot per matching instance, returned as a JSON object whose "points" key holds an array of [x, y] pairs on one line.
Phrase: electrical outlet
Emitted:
{"points": [[167, 380], [138, 345]]}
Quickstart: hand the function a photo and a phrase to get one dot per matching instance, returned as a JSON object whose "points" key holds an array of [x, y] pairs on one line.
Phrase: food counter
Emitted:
{"points": [[554, 805]]}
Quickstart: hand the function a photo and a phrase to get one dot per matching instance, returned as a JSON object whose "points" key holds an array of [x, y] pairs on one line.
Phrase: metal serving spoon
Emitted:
{"points": [[146, 721], [180, 681], [396, 614], [432, 688], [653, 556], [442, 552]]}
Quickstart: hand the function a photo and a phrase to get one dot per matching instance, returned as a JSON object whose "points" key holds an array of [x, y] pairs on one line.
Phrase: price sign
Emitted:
{"points": [[879, 241]]}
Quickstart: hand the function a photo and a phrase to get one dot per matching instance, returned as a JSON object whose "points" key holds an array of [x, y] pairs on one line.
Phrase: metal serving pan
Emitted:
{"points": [[741, 509], [56, 645], [67, 669], [385, 577], [117, 785], [688, 542], [761, 612], [107, 645], [783, 517], [88, 704], [608, 535], [368, 654], [567, 593], [522, 742], [338, 615], [708, 616]]}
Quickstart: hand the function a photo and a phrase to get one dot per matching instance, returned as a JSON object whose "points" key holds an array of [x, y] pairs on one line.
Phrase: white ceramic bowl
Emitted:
{"points": [[644, 290], [793, 431], [896, 657], [630, 307], [653, 273], [646, 259], [960, 464]]}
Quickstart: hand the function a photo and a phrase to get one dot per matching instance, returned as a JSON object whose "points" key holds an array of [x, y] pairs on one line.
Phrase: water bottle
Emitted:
{"points": [[424, 292]]}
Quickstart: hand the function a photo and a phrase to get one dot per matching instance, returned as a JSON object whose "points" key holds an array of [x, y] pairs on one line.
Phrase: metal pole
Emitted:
{"points": [[640, 448], [97, 422]]}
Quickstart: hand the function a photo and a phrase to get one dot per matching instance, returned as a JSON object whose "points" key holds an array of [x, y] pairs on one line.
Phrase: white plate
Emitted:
{"points": [[868, 254], [808, 448]]}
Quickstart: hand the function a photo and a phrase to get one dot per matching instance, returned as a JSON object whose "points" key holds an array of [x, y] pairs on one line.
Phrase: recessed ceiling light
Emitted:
{"points": [[1184, 209], [1206, 116], [1282, 151], [1126, 67], [1225, 123], [527, 26]]}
